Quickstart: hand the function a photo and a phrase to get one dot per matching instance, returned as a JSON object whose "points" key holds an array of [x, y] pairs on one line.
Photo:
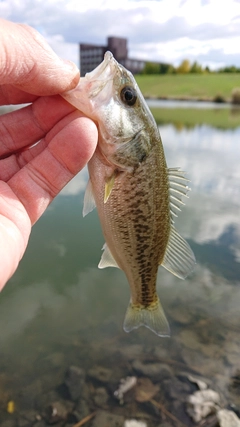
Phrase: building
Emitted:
{"points": [[91, 55]]}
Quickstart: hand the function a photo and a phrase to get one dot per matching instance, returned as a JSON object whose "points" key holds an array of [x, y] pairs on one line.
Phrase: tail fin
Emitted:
{"points": [[152, 317]]}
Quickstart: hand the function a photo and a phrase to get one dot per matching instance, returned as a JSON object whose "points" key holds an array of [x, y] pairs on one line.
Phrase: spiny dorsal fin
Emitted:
{"points": [[179, 258], [89, 202], [177, 190], [107, 259]]}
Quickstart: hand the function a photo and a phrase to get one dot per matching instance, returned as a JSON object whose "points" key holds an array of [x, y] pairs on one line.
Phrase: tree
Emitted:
{"points": [[196, 68], [151, 68], [184, 67]]}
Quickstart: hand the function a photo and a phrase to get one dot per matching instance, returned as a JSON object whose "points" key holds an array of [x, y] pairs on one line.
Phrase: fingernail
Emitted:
{"points": [[73, 70], [69, 65]]}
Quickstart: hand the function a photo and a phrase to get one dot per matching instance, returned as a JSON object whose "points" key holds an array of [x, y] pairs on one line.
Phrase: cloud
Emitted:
{"points": [[211, 159], [157, 30]]}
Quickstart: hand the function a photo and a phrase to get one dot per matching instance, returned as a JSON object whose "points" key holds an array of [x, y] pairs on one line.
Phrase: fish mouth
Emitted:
{"points": [[105, 70]]}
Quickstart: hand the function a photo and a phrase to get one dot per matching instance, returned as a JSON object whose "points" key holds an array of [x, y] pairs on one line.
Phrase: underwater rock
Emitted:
{"points": [[125, 385], [81, 410], [180, 316], [227, 418], [176, 389], [40, 423], [202, 403], [190, 339], [134, 423], [9, 423], [104, 419], [155, 371], [201, 382], [131, 351], [74, 381], [101, 397], [145, 390], [100, 374], [56, 412]]}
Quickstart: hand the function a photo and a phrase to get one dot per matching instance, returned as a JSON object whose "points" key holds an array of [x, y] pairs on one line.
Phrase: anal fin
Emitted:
{"points": [[107, 259], [179, 258]]}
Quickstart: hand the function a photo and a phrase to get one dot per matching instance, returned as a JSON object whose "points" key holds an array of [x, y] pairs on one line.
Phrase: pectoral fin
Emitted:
{"points": [[107, 259], [179, 258], [109, 186]]}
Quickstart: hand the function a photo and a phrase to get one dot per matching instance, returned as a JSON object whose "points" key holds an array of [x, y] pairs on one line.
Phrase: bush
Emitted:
{"points": [[219, 99], [236, 95]]}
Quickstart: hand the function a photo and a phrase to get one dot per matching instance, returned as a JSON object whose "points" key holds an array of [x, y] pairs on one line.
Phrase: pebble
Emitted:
{"points": [[74, 381], [105, 419], [156, 371], [227, 418], [56, 412], [202, 403], [101, 397], [134, 423], [100, 373], [9, 423], [177, 389], [81, 410]]}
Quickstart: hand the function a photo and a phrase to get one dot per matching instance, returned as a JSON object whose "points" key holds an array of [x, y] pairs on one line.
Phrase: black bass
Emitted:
{"points": [[136, 195]]}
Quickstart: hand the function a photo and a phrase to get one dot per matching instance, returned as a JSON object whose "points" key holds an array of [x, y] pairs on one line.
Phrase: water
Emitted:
{"points": [[59, 309], [175, 103]]}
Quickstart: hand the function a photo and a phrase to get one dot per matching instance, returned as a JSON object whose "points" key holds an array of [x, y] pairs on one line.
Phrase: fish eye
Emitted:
{"points": [[128, 95]]}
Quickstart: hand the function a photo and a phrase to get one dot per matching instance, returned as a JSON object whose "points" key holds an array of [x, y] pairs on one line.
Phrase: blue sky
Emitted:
{"points": [[207, 31]]}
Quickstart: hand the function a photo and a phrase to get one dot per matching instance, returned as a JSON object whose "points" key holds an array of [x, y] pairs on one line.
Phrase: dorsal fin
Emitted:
{"points": [[177, 190]]}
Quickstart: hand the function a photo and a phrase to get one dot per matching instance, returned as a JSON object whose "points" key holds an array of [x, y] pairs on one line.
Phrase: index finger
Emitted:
{"points": [[30, 64]]}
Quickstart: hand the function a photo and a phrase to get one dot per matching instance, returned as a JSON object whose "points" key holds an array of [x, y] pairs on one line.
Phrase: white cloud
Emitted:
{"points": [[167, 30]]}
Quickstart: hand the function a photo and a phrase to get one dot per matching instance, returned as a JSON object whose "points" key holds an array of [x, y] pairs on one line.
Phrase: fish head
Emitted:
{"points": [[111, 97]]}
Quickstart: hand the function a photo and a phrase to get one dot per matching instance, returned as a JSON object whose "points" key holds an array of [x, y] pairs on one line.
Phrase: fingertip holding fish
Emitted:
{"points": [[137, 196]]}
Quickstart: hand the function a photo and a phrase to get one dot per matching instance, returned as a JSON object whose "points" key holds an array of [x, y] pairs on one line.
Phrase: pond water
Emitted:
{"points": [[59, 310]]}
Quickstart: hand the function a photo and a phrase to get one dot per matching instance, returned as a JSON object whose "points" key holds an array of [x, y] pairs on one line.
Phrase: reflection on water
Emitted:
{"points": [[174, 103], [60, 310]]}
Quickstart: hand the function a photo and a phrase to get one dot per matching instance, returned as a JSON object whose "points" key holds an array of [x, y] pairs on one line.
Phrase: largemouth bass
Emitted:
{"points": [[136, 195]]}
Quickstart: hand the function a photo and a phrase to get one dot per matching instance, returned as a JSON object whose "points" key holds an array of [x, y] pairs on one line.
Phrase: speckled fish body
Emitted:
{"points": [[135, 193]]}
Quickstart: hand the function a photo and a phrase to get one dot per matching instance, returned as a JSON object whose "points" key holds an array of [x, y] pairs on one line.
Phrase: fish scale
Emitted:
{"points": [[136, 195]]}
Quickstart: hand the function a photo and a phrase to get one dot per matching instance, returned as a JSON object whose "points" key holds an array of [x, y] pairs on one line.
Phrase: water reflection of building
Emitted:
{"points": [[91, 55]]}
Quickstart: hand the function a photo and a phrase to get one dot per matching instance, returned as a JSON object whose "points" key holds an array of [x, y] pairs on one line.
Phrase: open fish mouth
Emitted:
{"points": [[105, 70]]}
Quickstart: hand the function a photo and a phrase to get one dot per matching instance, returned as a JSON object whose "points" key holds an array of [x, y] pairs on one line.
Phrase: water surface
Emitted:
{"points": [[59, 309]]}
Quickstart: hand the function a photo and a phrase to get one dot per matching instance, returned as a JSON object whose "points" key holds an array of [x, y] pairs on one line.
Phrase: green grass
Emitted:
{"points": [[181, 86], [186, 117]]}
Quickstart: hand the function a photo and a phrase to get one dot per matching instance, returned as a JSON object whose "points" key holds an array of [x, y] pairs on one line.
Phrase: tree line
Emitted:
{"points": [[184, 68]]}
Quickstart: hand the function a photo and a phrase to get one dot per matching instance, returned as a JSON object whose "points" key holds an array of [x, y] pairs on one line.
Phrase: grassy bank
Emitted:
{"points": [[181, 86], [184, 117]]}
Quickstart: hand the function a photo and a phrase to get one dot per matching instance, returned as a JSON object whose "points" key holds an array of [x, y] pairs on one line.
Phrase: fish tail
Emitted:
{"points": [[151, 316]]}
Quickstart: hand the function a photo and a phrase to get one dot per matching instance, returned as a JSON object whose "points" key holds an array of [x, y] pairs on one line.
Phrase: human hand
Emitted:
{"points": [[29, 179]]}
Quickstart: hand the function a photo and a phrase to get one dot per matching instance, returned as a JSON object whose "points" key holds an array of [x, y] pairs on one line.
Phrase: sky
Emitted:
{"points": [[206, 31]]}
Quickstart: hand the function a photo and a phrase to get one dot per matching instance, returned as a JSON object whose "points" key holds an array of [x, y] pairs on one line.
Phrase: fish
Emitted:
{"points": [[137, 196]]}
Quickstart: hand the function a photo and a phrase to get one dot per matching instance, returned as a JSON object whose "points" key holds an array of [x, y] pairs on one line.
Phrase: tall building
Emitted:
{"points": [[91, 55]]}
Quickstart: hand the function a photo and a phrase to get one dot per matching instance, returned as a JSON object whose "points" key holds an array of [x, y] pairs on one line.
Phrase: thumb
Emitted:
{"points": [[30, 64]]}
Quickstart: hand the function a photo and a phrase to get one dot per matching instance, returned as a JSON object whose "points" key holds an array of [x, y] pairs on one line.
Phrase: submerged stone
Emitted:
{"points": [[74, 381], [105, 419], [227, 418], [156, 371]]}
